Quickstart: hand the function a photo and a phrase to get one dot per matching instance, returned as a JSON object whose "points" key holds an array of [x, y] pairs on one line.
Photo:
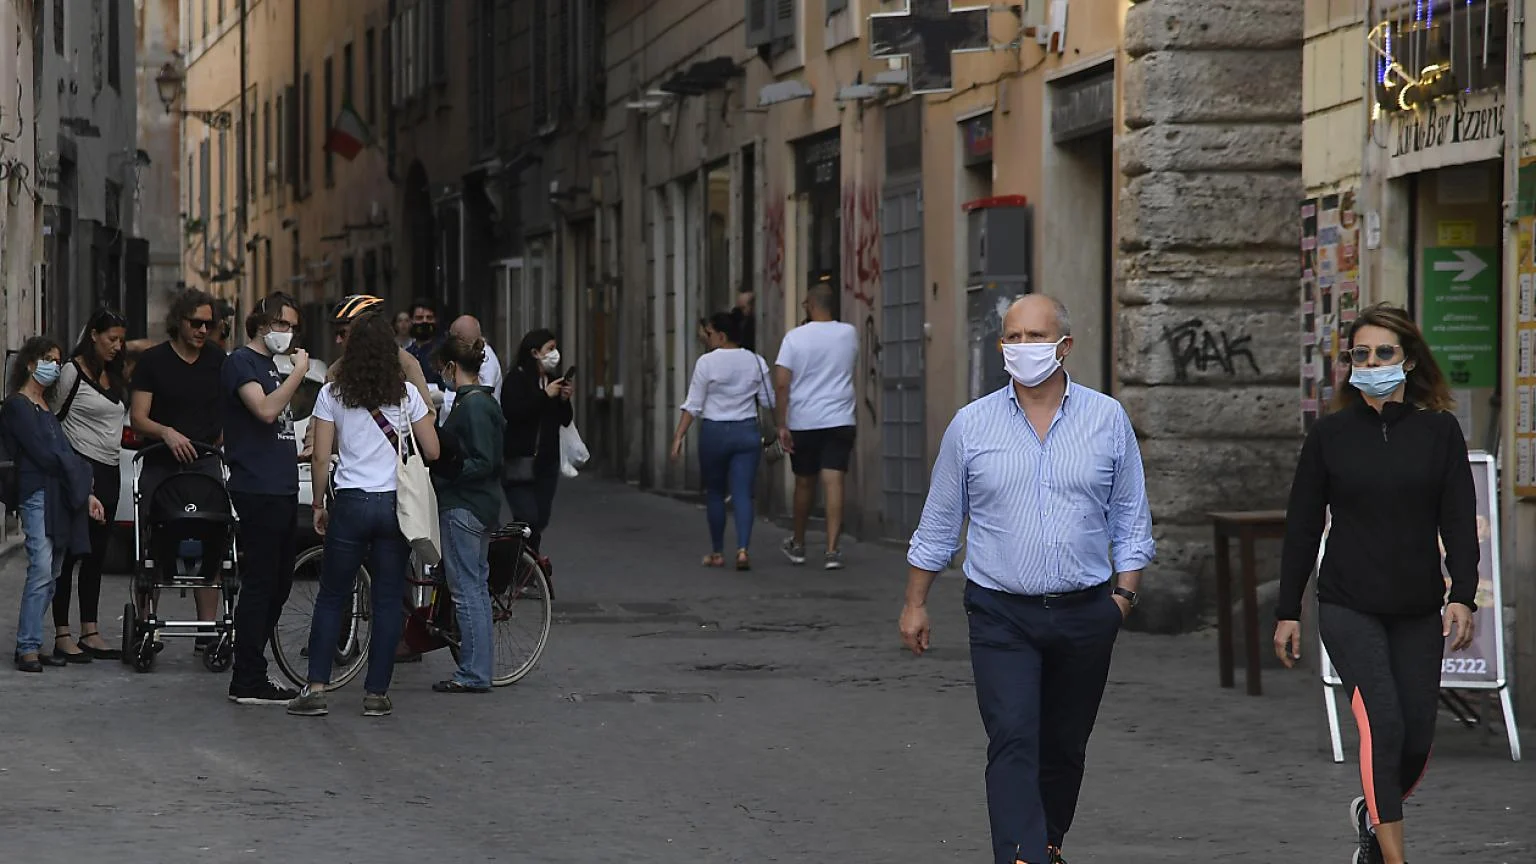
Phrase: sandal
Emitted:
{"points": [[98, 653], [743, 561], [714, 559]]}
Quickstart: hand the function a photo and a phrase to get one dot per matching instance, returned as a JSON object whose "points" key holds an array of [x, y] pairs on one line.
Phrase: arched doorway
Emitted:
{"points": [[420, 238]]}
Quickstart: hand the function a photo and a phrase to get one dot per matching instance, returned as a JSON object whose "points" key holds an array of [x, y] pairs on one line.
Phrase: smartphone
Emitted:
{"points": [[570, 374]]}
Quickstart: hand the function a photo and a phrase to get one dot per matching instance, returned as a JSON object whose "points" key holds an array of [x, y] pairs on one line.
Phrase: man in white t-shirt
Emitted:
{"points": [[467, 327], [813, 378]]}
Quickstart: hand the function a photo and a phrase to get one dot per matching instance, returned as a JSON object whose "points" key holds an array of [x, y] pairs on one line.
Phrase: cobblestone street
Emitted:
{"points": [[689, 715]]}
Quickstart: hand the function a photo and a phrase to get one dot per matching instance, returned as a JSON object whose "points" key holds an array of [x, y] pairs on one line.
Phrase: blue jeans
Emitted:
{"points": [[363, 528], [728, 454], [44, 562], [466, 559]]}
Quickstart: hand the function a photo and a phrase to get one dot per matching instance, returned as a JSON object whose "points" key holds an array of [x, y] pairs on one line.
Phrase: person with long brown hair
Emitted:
{"points": [[361, 416], [91, 400], [1390, 465]]}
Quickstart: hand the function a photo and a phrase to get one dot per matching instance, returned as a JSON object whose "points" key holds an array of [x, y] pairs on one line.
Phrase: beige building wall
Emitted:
{"points": [[302, 225]]}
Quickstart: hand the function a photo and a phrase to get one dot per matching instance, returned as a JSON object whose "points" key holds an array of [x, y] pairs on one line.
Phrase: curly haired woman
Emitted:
{"points": [[360, 416]]}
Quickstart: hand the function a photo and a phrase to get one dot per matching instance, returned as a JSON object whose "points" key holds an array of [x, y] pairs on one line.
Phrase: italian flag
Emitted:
{"points": [[348, 135]]}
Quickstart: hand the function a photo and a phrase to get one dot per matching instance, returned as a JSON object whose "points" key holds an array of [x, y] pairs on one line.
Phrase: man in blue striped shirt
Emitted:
{"points": [[1049, 475]]}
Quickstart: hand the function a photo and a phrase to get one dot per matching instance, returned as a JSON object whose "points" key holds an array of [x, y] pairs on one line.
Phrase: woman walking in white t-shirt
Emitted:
{"points": [[729, 383], [361, 416]]}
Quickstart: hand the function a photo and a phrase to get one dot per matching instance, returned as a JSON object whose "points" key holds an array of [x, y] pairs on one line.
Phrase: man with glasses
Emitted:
{"points": [[176, 396], [264, 484]]}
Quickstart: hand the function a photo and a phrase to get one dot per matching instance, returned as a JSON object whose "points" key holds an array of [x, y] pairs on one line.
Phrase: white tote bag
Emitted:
{"points": [[573, 451], [415, 499]]}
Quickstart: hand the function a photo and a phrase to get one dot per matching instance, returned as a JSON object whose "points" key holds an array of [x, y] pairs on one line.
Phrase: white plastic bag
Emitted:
{"points": [[573, 451]]}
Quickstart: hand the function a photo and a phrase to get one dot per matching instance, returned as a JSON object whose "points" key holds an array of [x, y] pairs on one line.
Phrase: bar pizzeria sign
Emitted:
{"points": [[1468, 127]]}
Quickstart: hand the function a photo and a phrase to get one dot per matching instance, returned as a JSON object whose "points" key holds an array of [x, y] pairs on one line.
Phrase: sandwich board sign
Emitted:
{"points": [[1481, 665]]}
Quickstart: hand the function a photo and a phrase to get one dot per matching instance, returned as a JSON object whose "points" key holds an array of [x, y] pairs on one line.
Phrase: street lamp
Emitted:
{"points": [[170, 83]]}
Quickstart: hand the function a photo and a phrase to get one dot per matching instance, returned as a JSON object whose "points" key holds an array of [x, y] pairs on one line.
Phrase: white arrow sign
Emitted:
{"points": [[1468, 265]]}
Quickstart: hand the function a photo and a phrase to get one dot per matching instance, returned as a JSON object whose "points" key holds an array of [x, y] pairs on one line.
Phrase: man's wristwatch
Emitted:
{"points": [[1128, 594]]}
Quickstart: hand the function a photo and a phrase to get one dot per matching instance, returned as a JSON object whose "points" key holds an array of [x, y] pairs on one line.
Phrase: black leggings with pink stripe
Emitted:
{"points": [[1390, 666]]}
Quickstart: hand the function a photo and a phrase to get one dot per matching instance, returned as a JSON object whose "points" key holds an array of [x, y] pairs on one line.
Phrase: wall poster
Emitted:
{"points": [[1525, 336], [1330, 296]]}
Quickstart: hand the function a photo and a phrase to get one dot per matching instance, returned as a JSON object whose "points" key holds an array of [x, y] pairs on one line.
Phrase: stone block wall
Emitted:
{"points": [[1209, 233]]}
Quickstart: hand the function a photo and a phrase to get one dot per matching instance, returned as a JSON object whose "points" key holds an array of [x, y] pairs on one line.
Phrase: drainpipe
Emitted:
{"points": [[245, 159], [389, 100], [1514, 138]]}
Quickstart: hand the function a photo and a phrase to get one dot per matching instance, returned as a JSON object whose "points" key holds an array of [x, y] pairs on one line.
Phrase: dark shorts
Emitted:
{"points": [[818, 450]]}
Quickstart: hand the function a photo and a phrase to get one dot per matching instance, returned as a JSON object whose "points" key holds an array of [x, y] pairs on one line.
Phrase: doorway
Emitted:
{"points": [[899, 347]]}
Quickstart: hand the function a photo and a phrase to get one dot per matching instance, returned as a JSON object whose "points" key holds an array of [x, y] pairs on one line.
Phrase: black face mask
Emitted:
{"points": [[423, 332]]}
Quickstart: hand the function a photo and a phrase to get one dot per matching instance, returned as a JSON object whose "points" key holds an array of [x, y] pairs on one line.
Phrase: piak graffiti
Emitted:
{"points": [[1195, 346], [861, 242]]}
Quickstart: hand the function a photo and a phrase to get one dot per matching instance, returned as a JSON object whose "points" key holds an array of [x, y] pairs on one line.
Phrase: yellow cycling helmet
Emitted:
{"points": [[353, 306]]}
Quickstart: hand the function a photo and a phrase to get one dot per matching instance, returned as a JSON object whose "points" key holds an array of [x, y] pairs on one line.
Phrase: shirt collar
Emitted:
{"points": [[1066, 397]]}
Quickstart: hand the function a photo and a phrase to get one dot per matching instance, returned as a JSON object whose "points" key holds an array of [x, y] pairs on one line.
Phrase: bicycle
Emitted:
{"points": [[521, 599]]}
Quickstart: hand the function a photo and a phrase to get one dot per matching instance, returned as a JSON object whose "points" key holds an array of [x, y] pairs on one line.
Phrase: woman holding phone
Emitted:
{"points": [[536, 403], [1390, 463]]}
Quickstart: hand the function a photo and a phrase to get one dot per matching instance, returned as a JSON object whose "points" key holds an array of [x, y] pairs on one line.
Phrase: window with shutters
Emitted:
{"points": [[266, 146], [346, 75], [438, 37], [58, 27], [369, 59], [393, 53], [326, 118], [205, 194], [785, 18], [114, 47], [249, 157], [306, 120], [280, 150], [538, 66], [485, 73]]}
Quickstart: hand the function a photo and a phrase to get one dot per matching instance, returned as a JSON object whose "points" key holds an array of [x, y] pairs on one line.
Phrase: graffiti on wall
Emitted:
{"points": [[861, 242], [1198, 347], [773, 246], [870, 347]]}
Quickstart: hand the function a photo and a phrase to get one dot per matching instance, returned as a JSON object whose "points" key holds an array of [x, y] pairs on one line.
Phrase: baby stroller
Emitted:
{"points": [[184, 527]]}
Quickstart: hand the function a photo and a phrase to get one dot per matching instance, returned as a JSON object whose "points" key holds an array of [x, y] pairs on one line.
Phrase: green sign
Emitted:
{"points": [[1460, 314]]}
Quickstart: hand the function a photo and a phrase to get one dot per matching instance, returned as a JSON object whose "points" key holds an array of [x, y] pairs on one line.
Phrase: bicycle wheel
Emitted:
{"points": [[290, 638], [520, 615]]}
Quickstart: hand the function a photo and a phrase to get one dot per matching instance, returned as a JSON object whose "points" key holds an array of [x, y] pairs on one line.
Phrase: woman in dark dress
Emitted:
{"points": [[536, 402]]}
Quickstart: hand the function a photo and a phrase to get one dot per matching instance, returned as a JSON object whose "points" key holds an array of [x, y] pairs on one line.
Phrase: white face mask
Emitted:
{"points": [[551, 361], [277, 343], [1030, 363]]}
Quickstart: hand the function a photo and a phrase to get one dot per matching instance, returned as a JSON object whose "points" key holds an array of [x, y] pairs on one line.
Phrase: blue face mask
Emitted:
{"points": [[1378, 382], [46, 373], [448, 383]]}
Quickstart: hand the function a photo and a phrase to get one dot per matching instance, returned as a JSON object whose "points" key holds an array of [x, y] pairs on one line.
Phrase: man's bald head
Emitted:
{"points": [[1036, 318], [466, 327]]}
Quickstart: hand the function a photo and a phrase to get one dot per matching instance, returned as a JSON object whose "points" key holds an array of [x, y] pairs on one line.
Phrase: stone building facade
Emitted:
{"points": [[88, 165], [21, 221], [157, 217]]}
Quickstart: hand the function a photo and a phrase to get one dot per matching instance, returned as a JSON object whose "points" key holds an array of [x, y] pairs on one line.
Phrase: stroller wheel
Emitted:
{"points": [[220, 655], [144, 653], [130, 617]]}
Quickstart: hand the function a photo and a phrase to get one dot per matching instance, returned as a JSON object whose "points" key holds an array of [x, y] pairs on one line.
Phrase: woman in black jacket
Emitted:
{"points": [[53, 491], [536, 402], [1390, 463]]}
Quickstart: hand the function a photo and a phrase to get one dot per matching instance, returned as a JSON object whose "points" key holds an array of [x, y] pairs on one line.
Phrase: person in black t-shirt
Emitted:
{"points": [[176, 396], [264, 484]]}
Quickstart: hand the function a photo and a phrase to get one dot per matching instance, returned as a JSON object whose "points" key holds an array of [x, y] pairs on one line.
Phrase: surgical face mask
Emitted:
{"points": [[277, 343], [551, 360], [46, 373], [1378, 382], [1030, 363]]}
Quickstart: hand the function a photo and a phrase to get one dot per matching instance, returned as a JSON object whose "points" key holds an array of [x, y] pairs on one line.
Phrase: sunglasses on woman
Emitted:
{"points": [[1361, 354]]}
